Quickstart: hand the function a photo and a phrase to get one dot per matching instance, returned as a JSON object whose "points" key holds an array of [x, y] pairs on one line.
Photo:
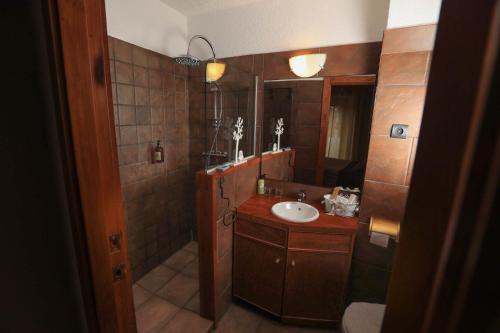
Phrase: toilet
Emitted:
{"points": [[361, 317]]}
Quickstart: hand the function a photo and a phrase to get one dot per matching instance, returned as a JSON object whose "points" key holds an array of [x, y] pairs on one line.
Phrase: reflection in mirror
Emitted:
{"points": [[346, 126], [348, 135], [298, 102], [227, 99]]}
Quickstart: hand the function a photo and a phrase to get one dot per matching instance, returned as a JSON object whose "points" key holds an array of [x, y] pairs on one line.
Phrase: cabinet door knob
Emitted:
{"points": [[278, 260], [293, 263]]}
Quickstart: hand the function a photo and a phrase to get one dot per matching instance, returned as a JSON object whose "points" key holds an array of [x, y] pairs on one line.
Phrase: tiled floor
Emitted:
{"points": [[242, 318], [167, 300]]}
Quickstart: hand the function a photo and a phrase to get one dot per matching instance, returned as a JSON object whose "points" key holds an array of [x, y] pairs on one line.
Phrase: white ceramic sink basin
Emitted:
{"points": [[293, 211]]}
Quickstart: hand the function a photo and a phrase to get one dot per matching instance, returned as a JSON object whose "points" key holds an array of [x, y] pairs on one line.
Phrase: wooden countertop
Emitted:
{"points": [[258, 209]]}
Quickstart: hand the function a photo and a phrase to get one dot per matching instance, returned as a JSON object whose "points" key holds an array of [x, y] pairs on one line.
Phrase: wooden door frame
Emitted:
{"points": [[79, 50], [455, 179], [328, 83]]}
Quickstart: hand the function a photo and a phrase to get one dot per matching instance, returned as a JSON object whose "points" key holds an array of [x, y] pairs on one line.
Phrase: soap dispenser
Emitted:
{"points": [[158, 155]]}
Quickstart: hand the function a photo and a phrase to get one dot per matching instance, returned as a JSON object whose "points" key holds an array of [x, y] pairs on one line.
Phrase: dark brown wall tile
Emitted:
{"points": [[140, 56], [351, 59], [126, 114], [125, 94], [403, 68], [157, 114], [128, 135], [124, 72], [122, 51], [155, 79], [383, 200], [308, 114], [144, 133], [141, 96], [156, 97], [154, 60], [388, 159], [141, 76], [307, 137], [409, 39], [398, 105], [157, 218], [143, 115], [111, 47], [309, 92], [112, 70], [128, 154]]}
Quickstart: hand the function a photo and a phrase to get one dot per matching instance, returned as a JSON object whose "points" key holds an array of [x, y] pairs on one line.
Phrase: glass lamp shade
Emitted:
{"points": [[307, 65], [215, 70]]}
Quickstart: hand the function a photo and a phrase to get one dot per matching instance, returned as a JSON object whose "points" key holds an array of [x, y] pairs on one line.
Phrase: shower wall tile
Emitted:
{"points": [[124, 72], [156, 215]]}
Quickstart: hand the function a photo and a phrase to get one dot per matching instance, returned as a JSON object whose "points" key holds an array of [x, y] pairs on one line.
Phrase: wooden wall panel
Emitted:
{"points": [[215, 235]]}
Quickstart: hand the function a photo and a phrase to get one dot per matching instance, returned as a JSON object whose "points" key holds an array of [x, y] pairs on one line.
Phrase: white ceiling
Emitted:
{"points": [[195, 7]]}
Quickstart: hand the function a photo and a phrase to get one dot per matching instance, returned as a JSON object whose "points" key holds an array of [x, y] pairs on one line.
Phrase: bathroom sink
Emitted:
{"points": [[293, 211]]}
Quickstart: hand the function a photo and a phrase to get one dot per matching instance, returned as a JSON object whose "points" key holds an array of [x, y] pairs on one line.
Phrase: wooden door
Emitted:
{"points": [[80, 52], [258, 273], [314, 285]]}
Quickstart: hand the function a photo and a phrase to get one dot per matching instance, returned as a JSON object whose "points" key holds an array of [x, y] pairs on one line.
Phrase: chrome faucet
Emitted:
{"points": [[301, 196]]}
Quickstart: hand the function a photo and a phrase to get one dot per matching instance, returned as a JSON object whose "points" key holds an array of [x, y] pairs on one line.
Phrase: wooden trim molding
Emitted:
{"points": [[328, 82], [82, 38]]}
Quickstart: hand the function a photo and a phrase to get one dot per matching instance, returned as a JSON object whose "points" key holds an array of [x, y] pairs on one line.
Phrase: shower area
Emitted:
{"points": [[233, 96], [219, 94]]}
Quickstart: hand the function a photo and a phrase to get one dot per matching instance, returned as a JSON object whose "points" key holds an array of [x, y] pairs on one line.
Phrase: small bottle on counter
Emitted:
{"points": [[261, 184], [158, 156]]}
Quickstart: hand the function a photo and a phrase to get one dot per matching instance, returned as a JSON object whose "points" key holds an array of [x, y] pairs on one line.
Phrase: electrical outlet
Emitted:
{"points": [[399, 131]]}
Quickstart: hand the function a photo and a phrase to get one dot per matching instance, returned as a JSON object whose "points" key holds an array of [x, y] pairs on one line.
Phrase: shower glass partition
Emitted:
{"points": [[232, 96]]}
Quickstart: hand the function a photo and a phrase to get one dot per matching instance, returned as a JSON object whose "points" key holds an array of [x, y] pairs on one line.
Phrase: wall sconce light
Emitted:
{"points": [[307, 65], [215, 70]]}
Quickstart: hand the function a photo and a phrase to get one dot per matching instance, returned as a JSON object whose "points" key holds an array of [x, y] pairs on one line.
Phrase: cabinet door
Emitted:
{"points": [[258, 273], [314, 285]]}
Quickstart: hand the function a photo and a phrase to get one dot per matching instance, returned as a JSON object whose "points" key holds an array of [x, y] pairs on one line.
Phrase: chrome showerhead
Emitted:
{"points": [[187, 59]]}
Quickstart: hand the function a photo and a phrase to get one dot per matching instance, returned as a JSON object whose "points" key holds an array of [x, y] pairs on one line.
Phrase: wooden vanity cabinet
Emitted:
{"points": [[314, 286], [298, 276], [258, 273], [259, 265]]}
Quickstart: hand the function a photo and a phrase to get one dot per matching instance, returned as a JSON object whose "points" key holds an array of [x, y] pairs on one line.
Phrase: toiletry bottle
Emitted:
{"points": [[158, 153], [261, 184]]}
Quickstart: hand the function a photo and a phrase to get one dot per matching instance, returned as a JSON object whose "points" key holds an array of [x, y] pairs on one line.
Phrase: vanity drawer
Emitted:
{"points": [[260, 232], [321, 242]]}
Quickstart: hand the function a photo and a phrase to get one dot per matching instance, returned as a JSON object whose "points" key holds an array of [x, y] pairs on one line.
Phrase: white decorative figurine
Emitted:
{"points": [[279, 131], [237, 135]]}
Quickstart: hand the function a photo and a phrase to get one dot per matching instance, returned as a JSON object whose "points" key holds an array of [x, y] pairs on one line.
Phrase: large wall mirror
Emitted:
{"points": [[327, 121]]}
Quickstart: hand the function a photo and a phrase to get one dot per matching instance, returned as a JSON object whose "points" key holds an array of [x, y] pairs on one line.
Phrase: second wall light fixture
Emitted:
{"points": [[307, 65]]}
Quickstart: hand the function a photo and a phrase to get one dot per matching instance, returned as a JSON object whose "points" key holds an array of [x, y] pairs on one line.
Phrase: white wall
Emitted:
{"points": [[148, 23], [280, 25], [403, 13]]}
